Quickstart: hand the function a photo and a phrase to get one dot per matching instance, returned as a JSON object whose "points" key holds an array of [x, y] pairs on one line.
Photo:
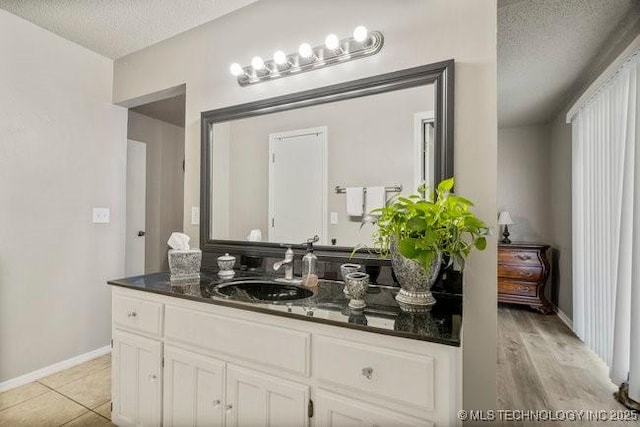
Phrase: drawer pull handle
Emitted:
{"points": [[523, 257], [367, 372], [526, 273], [132, 314], [523, 288], [216, 403]]}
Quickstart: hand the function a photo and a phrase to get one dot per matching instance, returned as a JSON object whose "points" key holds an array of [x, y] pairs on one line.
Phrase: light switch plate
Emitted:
{"points": [[101, 215], [195, 215], [334, 217]]}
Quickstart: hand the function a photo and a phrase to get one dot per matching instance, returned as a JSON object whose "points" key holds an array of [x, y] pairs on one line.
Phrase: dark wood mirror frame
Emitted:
{"points": [[441, 74]]}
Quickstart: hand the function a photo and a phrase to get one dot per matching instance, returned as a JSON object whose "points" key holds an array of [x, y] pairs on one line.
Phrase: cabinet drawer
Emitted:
{"points": [[520, 272], [137, 314], [514, 288], [518, 257], [406, 378], [281, 348]]}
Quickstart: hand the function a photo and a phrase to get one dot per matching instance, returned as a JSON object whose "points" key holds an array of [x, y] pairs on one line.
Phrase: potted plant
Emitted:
{"points": [[422, 233]]}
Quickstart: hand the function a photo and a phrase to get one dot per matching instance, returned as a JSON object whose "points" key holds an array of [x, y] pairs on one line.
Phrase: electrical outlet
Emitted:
{"points": [[101, 215], [334, 217], [195, 215]]}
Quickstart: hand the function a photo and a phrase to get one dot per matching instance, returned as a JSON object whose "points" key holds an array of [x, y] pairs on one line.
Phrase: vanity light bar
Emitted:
{"points": [[307, 58]]}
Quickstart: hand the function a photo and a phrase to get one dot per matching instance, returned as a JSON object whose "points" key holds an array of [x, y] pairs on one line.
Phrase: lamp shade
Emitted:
{"points": [[505, 218]]}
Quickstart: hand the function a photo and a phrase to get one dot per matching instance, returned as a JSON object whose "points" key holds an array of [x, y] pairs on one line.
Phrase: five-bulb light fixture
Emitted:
{"points": [[334, 51]]}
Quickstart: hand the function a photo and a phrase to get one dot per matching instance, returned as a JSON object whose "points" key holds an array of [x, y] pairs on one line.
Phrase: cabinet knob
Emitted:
{"points": [[367, 372], [132, 314], [228, 407], [152, 377], [216, 403]]}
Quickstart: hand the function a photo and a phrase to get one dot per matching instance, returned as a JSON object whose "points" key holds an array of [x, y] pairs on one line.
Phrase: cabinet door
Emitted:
{"points": [[256, 399], [193, 389], [333, 410], [136, 387]]}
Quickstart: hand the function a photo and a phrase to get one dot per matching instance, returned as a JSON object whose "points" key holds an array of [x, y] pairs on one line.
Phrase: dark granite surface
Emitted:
{"points": [[327, 305]]}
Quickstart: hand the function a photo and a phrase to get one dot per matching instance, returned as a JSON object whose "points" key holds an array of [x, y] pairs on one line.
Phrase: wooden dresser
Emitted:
{"points": [[523, 270]]}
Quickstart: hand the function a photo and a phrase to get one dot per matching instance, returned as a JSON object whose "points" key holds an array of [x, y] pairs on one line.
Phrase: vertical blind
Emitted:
{"points": [[606, 224]]}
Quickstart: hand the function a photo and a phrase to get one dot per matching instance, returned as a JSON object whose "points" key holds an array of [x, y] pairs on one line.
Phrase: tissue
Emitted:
{"points": [[184, 263], [255, 235], [179, 241]]}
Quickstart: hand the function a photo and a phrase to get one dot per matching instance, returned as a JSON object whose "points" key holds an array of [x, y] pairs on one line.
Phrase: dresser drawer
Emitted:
{"points": [[393, 375], [137, 314], [284, 349], [515, 288], [518, 257], [520, 272]]}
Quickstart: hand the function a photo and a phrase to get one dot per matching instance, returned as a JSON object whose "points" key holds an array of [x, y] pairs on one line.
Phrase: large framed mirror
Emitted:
{"points": [[278, 171]]}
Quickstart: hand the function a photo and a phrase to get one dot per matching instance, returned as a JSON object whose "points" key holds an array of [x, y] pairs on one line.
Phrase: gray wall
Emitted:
{"points": [[416, 33], [62, 152], [524, 180], [560, 203], [165, 184], [370, 142]]}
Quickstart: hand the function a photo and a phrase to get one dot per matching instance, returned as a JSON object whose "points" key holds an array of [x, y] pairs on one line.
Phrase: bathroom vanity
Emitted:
{"points": [[189, 355]]}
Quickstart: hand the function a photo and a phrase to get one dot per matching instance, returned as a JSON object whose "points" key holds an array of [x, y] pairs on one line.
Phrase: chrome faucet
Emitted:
{"points": [[287, 262]]}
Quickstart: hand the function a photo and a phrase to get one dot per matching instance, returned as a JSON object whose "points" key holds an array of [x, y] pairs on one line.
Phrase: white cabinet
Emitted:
{"points": [[257, 399], [136, 387], [225, 367], [193, 389], [333, 410]]}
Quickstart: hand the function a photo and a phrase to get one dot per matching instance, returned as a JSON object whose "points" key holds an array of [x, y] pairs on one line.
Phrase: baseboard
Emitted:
{"points": [[564, 318], [52, 369]]}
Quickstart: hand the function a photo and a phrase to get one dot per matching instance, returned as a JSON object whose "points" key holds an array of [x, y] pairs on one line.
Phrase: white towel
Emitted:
{"points": [[376, 198], [355, 201]]}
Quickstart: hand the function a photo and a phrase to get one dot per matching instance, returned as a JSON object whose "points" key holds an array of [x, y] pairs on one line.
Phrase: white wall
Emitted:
{"points": [[524, 181], [165, 184], [62, 152], [416, 32]]}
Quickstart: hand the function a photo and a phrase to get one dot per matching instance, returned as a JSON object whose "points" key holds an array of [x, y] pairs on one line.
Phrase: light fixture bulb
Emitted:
{"points": [[257, 63], [280, 58], [305, 50], [360, 33], [236, 69], [332, 42]]}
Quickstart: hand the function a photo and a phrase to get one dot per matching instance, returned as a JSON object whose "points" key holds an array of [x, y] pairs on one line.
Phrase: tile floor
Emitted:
{"points": [[78, 396]]}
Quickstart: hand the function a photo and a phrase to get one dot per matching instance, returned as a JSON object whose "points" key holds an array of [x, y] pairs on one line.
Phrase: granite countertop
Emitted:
{"points": [[328, 305]]}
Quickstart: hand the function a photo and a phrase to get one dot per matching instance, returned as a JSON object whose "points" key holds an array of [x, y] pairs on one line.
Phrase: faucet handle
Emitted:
{"points": [[313, 239]]}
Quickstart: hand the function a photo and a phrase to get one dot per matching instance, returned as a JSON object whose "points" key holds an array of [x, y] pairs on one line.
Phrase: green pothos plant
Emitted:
{"points": [[425, 226]]}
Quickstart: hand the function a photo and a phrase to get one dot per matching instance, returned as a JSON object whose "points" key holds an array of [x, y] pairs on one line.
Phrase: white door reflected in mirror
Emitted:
{"points": [[298, 185]]}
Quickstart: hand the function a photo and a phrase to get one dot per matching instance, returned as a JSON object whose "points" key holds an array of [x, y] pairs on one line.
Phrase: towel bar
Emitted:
{"points": [[392, 189]]}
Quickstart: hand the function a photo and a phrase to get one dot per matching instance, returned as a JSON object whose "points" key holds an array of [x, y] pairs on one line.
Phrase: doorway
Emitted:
{"points": [[155, 190], [298, 185], [136, 207]]}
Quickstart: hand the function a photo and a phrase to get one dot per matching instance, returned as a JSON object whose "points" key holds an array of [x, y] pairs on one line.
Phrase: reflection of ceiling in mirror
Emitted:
{"points": [[376, 148]]}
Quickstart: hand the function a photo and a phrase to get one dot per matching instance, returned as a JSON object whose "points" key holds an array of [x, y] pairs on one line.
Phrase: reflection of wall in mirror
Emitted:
{"points": [[371, 149]]}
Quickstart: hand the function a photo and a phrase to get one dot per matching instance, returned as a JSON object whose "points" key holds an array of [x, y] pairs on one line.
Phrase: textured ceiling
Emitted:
{"points": [[170, 110], [545, 46], [115, 28]]}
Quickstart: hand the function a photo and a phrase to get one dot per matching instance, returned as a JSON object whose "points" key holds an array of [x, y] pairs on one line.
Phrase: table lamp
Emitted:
{"points": [[505, 219]]}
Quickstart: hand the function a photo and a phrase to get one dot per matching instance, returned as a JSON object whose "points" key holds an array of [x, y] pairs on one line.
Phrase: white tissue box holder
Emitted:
{"points": [[185, 265]]}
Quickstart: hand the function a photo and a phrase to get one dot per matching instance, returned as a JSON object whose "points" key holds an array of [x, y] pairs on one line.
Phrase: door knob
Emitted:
{"points": [[141, 233]]}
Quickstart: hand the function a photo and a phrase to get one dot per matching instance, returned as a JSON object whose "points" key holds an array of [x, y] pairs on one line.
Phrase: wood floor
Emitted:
{"points": [[542, 365], [78, 396]]}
